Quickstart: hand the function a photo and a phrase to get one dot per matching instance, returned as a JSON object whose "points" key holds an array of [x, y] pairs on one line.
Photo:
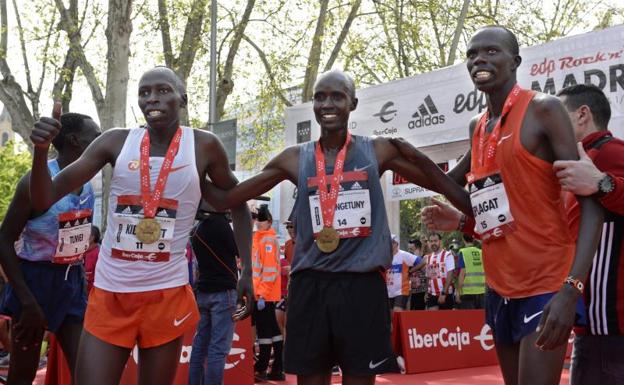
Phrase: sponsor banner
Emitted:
{"points": [[435, 107], [431, 341], [238, 365], [398, 188]]}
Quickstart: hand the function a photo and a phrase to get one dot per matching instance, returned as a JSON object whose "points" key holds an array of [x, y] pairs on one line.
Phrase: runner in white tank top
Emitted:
{"points": [[126, 265], [141, 292]]}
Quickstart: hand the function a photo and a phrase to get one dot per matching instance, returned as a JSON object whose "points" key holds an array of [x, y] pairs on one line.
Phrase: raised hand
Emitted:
{"points": [[46, 129]]}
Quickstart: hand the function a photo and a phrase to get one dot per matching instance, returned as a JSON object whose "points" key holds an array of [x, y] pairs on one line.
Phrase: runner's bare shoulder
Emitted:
{"points": [[545, 104]]}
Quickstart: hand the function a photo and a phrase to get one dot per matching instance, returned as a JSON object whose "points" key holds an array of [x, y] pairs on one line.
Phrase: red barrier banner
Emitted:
{"points": [[238, 366], [441, 340], [431, 341]]}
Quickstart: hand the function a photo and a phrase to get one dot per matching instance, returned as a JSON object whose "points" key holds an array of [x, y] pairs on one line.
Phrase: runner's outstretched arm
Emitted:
{"points": [[558, 317], [422, 171], [283, 167]]}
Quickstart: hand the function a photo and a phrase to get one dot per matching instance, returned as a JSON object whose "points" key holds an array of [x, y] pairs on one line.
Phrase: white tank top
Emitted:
{"points": [[125, 264]]}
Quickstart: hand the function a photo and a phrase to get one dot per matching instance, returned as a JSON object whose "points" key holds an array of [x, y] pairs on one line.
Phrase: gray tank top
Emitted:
{"points": [[357, 254]]}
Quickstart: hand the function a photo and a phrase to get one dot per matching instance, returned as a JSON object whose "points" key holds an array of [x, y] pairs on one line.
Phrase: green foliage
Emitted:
{"points": [[14, 166]]}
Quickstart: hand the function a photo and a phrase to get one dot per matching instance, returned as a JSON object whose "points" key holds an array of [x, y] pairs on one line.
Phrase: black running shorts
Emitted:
{"points": [[338, 318]]}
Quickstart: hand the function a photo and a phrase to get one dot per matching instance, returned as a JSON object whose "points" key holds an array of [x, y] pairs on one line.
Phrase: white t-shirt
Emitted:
{"points": [[397, 276]]}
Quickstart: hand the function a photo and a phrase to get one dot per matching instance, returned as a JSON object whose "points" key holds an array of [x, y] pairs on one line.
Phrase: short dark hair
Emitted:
{"points": [[416, 242], [512, 40], [592, 97], [468, 238], [95, 231], [436, 235], [72, 123]]}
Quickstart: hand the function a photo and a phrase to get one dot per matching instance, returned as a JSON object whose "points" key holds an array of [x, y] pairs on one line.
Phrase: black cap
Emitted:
{"points": [[264, 214]]}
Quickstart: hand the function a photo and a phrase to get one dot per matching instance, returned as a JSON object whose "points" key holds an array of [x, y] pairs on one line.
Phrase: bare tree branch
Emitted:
{"points": [[458, 29], [314, 57], [163, 20], [343, 35], [267, 66], [191, 39], [225, 83]]}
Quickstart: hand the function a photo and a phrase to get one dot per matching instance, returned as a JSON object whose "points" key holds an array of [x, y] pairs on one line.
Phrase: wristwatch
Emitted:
{"points": [[605, 185], [575, 283]]}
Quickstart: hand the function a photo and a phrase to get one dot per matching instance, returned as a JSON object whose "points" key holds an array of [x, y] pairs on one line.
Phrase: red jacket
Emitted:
{"points": [[604, 287]]}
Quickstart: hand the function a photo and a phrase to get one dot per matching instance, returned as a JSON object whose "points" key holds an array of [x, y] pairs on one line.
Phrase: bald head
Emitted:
{"points": [[337, 76], [167, 74]]}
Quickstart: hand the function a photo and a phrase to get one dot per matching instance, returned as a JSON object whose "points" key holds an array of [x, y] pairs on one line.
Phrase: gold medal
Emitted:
{"points": [[327, 239], [148, 230]]}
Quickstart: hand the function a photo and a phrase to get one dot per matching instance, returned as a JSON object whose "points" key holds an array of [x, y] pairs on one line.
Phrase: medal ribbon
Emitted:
{"points": [[151, 200], [483, 159], [329, 198]]}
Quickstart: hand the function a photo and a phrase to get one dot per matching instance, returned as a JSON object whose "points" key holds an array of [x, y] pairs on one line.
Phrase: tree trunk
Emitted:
{"points": [[314, 58], [118, 33]]}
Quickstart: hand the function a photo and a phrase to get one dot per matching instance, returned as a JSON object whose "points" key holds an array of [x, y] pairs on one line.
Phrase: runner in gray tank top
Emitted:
{"points": [[338, 311]]}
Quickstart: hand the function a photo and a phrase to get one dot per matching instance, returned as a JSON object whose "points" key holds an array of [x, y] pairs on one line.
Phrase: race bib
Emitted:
{"points": [[490, 206], [128, 213], [73, 236], [352, 217]]}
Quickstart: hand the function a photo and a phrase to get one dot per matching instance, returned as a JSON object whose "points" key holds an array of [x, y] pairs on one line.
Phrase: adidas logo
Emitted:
{"points": [[67, 225], [127, 210], [163, 213], [488, 182], [77, 223], [426, 115], [356, 186], [473, 188]]}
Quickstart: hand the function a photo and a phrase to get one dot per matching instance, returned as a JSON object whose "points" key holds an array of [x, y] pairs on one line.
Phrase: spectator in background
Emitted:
{"points": [[397, 276], [470, 289], [91, 256], [289, 248], [267, 288], [215, 249], [418, 277], [440, 267]]}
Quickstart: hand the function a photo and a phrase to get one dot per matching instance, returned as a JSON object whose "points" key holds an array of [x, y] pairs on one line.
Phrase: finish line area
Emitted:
{"points": [[486, 375]]}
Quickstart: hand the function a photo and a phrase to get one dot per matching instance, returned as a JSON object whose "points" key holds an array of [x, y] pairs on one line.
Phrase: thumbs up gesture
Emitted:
{"points": [[47, 128], [581, 176]]}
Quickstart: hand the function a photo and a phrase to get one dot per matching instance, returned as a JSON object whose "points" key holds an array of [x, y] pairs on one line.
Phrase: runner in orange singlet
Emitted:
{"points": [[530, 260]]}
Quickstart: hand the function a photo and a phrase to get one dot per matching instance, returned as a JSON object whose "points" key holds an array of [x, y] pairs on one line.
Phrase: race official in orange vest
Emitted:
{"points": [[267, 287]]}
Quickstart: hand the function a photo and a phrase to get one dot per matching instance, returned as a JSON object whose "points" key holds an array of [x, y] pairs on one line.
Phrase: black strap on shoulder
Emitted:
{"points": [[597, 144]]}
